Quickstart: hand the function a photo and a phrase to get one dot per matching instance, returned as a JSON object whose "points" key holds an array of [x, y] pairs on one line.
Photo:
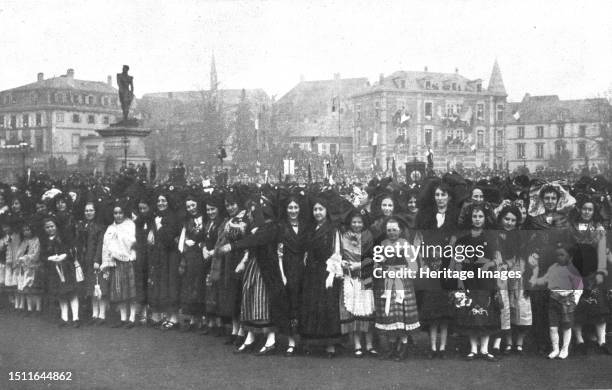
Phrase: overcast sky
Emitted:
{"points": [[543, 47]]}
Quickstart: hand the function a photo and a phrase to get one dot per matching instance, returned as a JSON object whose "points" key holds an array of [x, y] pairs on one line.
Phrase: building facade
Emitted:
{"points": [[546, 132], [409, 114], [318, 116], [51, 117]]}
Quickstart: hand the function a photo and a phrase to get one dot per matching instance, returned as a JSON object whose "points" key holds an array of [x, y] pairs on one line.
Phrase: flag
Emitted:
{"points": [[374, 139], [257, 121], [393, 169], [405, 117], [516, 116], [467, 115]]}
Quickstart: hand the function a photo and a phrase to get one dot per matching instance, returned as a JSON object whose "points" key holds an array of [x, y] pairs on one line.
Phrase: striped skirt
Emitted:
{"points": [[255, 307], [401, 317], [122, 282]]}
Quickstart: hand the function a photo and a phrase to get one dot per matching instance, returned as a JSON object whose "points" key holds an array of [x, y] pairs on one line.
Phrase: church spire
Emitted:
{"points": [[496, 84], [213, 74]]}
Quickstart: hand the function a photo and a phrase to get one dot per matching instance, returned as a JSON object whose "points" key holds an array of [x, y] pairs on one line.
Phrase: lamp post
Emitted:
{"points": [[126, 144]]}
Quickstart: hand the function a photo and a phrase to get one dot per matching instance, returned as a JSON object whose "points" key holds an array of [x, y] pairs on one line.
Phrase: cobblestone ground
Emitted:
{"points": [[145, 358]]}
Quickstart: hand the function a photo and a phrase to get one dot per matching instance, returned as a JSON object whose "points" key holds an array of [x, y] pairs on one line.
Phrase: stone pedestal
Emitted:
{"points": [[117, 138]]}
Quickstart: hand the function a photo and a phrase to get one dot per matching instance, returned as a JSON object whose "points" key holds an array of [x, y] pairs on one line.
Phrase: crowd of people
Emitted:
{"points": [[257, 261]]}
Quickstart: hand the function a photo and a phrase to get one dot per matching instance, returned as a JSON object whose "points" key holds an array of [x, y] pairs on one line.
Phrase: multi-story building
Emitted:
{"points": [[407, 114], [544, 131], [318, 115], [51, 117]]}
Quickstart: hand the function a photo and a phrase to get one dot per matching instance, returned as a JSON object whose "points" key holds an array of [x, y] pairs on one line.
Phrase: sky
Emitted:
{"points": [[543, 47]]}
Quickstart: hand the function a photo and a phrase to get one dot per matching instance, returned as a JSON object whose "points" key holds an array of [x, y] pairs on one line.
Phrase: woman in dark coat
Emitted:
{"points": [[214, 213], [319, 320], [144, 226], [163, 262], [89, 252], [60, 271], [192, 267]]}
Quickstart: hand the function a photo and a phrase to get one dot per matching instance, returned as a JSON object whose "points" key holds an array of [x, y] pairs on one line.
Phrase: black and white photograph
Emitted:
{"points": [[305, 194]]}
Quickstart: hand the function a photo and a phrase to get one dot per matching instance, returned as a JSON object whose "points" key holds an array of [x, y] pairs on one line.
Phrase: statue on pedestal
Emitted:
{"points": [[125, 83]]}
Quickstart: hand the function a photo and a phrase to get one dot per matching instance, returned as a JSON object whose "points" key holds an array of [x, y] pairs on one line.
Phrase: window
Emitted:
{"points": [[582, 131], [13, 121], [479, 87], [500, 137], [428, 110], [454, 87], [428, 84], [76, 118], [450, 109], [428, 137], [560, 131], [105, 101], [480, 139], [520, 132], [91, 119], [403, 83], [520, 151], [105, 119], [76, 141], [480, 111], [59, 117], [401, 104], [26, 120], [539, 150], [581, 149], [38, 142], [500, 112], [559, 147], [540, 131], [1, 121], [38, 119], [90, 100], [14, 100]]}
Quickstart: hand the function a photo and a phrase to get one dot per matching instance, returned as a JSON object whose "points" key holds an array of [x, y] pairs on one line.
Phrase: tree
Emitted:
{"points": [[600, 110], [561, 159], [244, 145]]}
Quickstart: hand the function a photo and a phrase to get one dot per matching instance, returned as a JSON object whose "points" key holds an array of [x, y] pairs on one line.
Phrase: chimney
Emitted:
{"points": [[381, 78], [70, 73], [41, 76], [425, 68], [336, 76], [109, 80]]}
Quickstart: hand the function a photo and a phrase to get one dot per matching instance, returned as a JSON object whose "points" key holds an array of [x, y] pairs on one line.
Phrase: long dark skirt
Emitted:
{"points": [[193, 283], [122, 282], [319, 320], [481, 317], [56, 287], [230, 288], [164, 281]]}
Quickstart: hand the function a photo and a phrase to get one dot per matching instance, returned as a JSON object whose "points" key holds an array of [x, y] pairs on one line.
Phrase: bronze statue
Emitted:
{"points": [[125, 83]]}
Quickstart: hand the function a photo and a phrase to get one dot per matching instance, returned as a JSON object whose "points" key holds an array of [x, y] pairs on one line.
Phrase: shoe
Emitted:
{"points": [[432, 354], [604, 349], [581, 349], [519, 350], [553, 354], [358, 353], [442, 354], [496, 351], [266, 350], [230, 340], [330, 354], [239, 341], [168, 325], [290, 352], [470, 356], [372, 352], [204, 330], [563, 354], [76, 324], [129, 325], [403, 352], [63, 324], [245, 348], [119, 324], [507, 350], [101, 322], [489, 357], [92, 322]]}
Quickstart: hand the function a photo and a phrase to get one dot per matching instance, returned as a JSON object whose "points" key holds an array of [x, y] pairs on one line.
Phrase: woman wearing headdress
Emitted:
{"points": [[64, 218], [319, 320], [28, 266], [61, 273], [225, 267], [478, 317], [436, 231], [215, 209], [144, 225], [516, 313], [192, 267], [118, 263], [89, 234], [163, 264], [16, 220], [590, 260]]}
